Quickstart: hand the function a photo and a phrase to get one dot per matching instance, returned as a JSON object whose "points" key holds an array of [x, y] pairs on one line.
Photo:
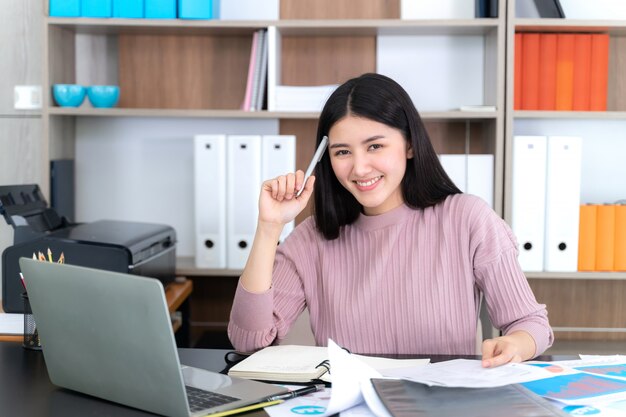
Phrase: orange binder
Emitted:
{"points": [[587, 238], [605, 237], [582, 72], [530, 71], [547, 71], [620, 238], [564, 71], [599, 77], [517, 90]]}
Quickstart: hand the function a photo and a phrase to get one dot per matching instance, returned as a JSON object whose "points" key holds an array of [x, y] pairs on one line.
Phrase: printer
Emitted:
{"points": [[129, 247]]}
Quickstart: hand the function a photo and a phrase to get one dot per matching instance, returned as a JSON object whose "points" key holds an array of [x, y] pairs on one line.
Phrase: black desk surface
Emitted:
{"points": [[26, 390]]}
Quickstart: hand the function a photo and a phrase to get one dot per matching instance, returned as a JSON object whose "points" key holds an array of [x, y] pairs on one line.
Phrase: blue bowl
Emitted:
{"points": [[68, 95], [103, 95]]}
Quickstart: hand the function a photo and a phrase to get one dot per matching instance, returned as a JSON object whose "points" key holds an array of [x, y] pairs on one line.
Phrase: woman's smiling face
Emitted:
{"points": [[369, 160]]}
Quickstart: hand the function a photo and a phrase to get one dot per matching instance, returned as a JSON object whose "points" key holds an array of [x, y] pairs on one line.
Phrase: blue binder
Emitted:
{"points": [[160, 9], [65, 8], [128, 8], [198, 9], [96, 8]]}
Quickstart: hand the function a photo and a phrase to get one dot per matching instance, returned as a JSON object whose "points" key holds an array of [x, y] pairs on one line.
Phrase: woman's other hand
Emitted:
{"points": [[513, 348]]}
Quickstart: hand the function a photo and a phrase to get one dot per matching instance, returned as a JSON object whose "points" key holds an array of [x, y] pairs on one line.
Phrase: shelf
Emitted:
{"points": [[590, 347], [596, 276], [580, 115], [239, 114], [192, 113], [612, 27], [186, 266], [326, 27]]}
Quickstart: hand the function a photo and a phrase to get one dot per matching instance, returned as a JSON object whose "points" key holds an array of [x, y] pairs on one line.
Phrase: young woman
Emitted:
{"points": [[395, 257]]}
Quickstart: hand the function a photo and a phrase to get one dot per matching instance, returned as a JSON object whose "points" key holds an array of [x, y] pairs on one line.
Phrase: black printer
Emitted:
{"points": [[129, 247]]}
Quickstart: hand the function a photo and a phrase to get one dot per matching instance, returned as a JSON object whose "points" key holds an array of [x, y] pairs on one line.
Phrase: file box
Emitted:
{"points": [[198, 9], [64, 8], [96, 8], [128, 8], [160, 9]]}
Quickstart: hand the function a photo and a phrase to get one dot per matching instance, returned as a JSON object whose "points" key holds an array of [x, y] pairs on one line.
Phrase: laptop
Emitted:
{"points": [[109, 335]]}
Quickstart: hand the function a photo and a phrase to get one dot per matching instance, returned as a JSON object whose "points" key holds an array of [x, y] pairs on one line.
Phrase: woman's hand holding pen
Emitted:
{"points": [[278, 204]]}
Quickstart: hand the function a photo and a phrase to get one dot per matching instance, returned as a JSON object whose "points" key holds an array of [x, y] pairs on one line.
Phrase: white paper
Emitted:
{"points": [[11, 324], [470, 374], [311, 404], [347, 373]]}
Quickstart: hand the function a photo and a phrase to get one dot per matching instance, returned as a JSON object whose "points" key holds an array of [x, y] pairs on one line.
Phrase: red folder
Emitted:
{"points": [[530, 71], [517, 91], [587, 238], [599, 72], [564, 71], [605, 237], [620, 238], [582, 72], [547, 71]]}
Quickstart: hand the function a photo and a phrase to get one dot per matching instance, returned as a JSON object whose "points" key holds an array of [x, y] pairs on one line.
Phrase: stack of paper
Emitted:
{"points": [[305, 99]]}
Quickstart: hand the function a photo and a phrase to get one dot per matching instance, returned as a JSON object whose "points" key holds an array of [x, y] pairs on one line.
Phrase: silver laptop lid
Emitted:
{"points": [[134, 362]]}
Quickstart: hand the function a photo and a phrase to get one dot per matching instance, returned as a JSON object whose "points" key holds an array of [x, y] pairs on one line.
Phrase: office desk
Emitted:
{"points": [[177, 296], [26, 390]]}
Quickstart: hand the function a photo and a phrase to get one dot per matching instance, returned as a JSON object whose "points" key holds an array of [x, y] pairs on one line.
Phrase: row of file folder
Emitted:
{"points": [[228, 173], [546, 201], [472, 174], [602, 241]]}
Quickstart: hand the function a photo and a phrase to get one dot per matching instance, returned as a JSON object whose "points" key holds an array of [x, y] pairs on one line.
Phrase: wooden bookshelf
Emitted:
{"points": [[187, 71], [584, 307]]}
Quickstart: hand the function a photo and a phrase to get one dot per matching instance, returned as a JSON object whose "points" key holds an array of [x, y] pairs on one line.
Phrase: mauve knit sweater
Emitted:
{"points": [[407, 281]]}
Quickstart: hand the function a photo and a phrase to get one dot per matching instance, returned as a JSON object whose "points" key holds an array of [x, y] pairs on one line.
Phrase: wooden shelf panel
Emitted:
{"points": [[577, 275], [238, 114], [302, 27], [580, 115], [186, 266], [612, 27], [114, 26]]}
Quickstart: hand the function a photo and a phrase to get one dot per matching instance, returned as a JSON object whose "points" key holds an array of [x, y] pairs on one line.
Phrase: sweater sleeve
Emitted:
{"points": [[259, 320], [510, 301]]}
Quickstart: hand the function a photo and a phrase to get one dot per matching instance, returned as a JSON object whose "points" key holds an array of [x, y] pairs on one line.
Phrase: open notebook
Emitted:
{"points": [[295, 363]]}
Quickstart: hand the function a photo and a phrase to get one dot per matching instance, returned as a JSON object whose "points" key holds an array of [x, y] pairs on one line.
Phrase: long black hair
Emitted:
{"points": [[381, 99]]}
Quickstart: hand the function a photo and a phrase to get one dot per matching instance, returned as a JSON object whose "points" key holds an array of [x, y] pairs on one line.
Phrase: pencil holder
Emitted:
{"points": [[31, 335]]}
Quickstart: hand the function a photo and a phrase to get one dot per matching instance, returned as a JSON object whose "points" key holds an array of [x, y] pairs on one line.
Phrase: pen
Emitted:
{"points": [[297, 393], [316, 158], [23, 282], [244, 409]]}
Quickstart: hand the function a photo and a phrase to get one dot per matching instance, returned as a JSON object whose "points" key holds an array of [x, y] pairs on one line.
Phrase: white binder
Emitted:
{"points": [[528, 199], [243, 188], [210, 200], [472, 174], [278, 158], [455, 166], [480, 177], [562, 203]]}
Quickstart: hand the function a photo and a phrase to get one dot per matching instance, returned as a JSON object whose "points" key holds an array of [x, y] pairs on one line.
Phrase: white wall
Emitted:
{"points": [[141, 169]]}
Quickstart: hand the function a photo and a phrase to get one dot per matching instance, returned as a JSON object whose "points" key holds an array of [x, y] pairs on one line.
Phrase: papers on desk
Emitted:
{"points": [[594, 381], [593, 385], [352, 394], [11, 324], [467, 373]]}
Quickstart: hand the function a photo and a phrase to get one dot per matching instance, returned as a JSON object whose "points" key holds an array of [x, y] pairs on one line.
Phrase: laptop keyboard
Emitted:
{"points": [[201, 399]]}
